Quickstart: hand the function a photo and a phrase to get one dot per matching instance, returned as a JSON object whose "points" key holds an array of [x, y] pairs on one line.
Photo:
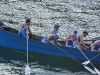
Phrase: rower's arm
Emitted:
{"points": [[22, 27], [77, 40], [51, 32], [48, 39], [68, 38], [82, 42], [29, 30]]}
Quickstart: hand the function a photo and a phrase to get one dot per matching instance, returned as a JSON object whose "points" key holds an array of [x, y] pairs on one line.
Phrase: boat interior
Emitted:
{"points": [[32, 37]]}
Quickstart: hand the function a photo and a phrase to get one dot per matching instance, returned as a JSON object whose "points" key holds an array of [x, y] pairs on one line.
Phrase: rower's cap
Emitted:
{"points": [[56, 26], [75, 32], [85, 31]]}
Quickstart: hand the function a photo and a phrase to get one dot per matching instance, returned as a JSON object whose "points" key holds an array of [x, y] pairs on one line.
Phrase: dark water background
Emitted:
{"points": [[13, 63], [70, 14]]}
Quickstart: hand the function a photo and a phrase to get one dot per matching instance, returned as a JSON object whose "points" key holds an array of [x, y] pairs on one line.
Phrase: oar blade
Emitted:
{"points": [[98, 72], [90, 70], [27, 70], [86, 62]]}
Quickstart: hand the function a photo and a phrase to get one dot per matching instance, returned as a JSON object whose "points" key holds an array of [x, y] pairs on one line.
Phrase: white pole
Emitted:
{"points": [[27, 69], [27, 45]]}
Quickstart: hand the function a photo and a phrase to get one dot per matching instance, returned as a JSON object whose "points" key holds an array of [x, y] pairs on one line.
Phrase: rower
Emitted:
{"points": [[80, 42], [49, 38], [95, 46], [22, 31], [71, 39], [55, 30]]}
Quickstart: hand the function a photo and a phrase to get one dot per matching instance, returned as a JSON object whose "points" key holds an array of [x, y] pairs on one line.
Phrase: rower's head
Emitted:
{"points": [[85, 33], [75, 32], [28, 22], [56, 27]]}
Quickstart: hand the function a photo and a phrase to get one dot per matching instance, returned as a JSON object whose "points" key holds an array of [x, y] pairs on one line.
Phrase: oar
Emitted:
{"points": [[89, 69], [27, 68], [87, 62], [95, 56], [97, 71], [64, 51]]}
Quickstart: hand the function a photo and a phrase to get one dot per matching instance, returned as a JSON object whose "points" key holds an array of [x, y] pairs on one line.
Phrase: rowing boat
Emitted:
{"points": [[10, 39]]}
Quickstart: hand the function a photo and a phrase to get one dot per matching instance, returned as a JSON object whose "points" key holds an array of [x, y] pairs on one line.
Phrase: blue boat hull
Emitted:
{"points": [[13, 41]]}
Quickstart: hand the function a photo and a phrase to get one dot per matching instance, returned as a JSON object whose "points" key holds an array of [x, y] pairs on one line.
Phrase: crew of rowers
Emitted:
{"points": [[72, 40]]}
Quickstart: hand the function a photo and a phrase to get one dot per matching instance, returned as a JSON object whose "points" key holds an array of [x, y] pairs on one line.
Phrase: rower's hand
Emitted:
{"points": [[26, 26], [61, 39], [31, 34], [71, 39], [92, 50], [87, 47]]}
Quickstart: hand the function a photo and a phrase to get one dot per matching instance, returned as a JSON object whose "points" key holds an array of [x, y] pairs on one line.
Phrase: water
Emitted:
{"points": [[70, 14], [13, 63]]}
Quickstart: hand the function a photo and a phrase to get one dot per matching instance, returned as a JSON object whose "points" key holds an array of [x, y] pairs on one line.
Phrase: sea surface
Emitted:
{"points": [[70, 14], [13, 62]]}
